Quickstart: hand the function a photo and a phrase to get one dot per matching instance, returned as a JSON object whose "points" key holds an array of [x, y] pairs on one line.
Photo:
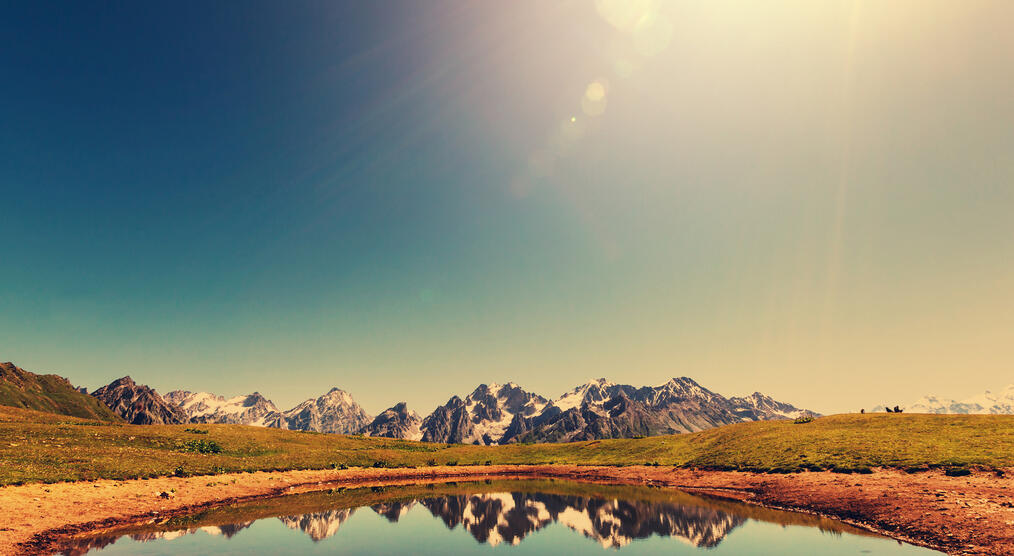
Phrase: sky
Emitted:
{"points": [[407, 199]]}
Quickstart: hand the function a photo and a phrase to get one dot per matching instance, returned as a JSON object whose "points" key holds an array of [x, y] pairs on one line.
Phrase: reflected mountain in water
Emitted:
{"points": [[319, 525], [503, 517], [84, 545], [494, 513], [393, 510]]}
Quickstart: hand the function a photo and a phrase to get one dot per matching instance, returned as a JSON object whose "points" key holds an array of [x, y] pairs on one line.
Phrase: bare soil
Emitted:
{"points": [[958, 515]]}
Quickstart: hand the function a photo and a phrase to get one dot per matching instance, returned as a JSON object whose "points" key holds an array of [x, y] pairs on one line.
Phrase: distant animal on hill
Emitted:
{"points": [[897, 409], [889, 410], [862, 411]]}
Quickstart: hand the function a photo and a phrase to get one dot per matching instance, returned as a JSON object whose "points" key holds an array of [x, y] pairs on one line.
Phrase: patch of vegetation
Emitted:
{"points": [[196, 431], [40, 447], [201, 446], [803, 419], [957, 471]]}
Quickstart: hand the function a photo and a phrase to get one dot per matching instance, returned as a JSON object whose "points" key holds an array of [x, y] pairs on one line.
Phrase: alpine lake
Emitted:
{"points": [[490, 517]]}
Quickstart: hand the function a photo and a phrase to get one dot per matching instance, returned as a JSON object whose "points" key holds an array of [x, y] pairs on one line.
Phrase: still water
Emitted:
{"points": [[506, 517]]}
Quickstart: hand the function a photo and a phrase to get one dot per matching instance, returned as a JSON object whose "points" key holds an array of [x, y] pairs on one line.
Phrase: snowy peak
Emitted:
{"points": [[757, 406], [205, 407], [677, 389], [996, 403], [334, 411], [483, 416], [594, 391]]}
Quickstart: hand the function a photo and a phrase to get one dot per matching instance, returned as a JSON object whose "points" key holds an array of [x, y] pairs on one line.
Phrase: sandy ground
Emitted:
{"points": [[959, 515]]}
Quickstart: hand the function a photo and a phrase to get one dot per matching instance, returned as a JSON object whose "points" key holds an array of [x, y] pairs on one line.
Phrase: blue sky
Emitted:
{"points": [[406, 199]]}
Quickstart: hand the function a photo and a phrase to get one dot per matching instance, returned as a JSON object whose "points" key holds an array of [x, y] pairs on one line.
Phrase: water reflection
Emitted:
{"points": [[498, 517], [505, 512]]}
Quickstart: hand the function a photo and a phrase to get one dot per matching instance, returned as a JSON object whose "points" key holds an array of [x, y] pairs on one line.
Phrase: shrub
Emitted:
{"points": [[452, 463], [201, 446], [431, 462], [336, 465], [803, 419], [916, 469], [488, 462], [196, 431], [380, 463], [957, 471]]}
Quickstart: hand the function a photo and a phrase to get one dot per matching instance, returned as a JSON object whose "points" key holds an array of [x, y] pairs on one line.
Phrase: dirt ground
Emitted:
{"points": [[959, 515]]}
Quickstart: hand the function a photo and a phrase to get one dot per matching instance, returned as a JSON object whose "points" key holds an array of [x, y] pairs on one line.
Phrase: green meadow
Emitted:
{"points": [[46, 447]]}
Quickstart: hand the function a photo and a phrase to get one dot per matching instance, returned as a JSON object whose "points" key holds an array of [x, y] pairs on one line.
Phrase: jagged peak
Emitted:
{"points": [[123, 381], [679, 380]]}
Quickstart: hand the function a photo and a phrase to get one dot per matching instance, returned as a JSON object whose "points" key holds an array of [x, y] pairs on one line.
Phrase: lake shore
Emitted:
{"points": [[959, 515]]}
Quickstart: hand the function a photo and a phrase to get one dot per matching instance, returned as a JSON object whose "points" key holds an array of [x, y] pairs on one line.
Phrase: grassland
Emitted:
{"points": [[44, 447]]}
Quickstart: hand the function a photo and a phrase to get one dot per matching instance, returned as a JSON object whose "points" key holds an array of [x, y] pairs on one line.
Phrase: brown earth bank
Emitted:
{"points": [[959, 515]]}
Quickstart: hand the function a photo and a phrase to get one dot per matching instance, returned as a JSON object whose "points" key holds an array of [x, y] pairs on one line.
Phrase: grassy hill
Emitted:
{"points": [[52, 393], [41, 447]]}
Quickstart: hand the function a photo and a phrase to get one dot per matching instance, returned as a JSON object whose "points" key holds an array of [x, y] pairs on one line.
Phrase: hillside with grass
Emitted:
{"points": [[42, 447], [52, 393]]}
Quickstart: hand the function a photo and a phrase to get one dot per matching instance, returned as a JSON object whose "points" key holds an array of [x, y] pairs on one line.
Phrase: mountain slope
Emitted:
{"points": [[335, 411], [51, 393], [139, 404], [203, 407], [395, 422]]}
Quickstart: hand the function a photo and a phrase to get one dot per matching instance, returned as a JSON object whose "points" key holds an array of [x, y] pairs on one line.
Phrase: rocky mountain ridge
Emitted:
{"points": [[396, 422], [603, 409], [138, 404]]}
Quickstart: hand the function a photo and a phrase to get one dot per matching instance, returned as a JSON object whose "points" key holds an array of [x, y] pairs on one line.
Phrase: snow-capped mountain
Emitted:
{"points": [[492, 413], [335, 411], [758, 407], [396, 422], [602, 409], [483, 416], [996, 403], [203, 407]]}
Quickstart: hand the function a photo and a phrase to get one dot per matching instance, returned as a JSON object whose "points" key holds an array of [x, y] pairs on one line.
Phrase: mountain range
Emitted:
{"points": [[491, 414], [996, 403]]}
